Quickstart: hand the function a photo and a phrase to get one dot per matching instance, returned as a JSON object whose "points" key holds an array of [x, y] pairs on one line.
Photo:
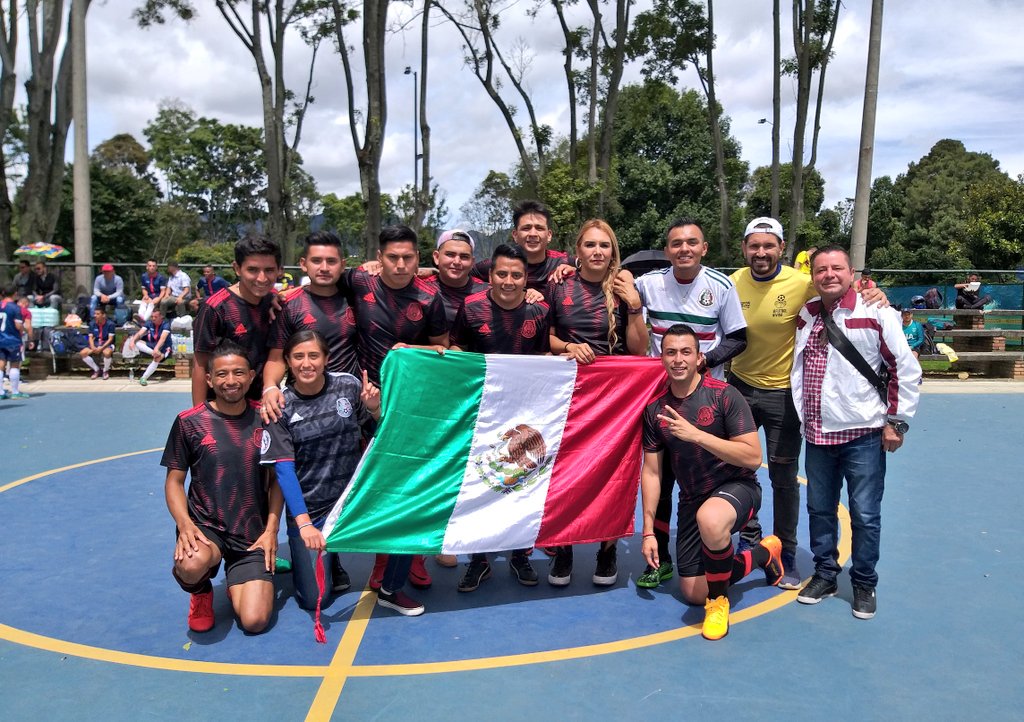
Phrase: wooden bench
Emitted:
{"points": [[971, 319], [973, 339], [43, 363], [1005, 364]]}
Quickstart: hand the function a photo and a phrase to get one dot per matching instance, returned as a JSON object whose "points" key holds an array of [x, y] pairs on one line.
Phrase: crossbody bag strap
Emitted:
{"points": [[851, 354]]}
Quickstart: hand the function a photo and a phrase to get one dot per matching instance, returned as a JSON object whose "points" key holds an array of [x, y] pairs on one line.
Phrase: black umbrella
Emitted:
{"points": [[643, 261]]}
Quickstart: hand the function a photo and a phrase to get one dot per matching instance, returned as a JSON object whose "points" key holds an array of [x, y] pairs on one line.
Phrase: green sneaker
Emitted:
{"points": [[18, 395], [653, 577], [282, 565], [143, 382]]}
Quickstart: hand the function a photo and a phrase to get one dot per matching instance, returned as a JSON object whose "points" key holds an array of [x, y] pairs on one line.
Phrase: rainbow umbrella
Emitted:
{"points": [[39, 248]]}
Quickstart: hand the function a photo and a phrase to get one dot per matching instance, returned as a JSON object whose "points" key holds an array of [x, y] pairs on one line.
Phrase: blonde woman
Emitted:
{"points": [[596, 312]]}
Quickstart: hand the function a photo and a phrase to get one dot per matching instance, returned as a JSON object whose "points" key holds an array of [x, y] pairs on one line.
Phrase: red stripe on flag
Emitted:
{"points": [[594, 484]]}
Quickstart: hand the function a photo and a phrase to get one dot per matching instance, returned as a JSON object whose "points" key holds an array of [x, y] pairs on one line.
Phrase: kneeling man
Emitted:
{"points": [[703, 428], [230, 512]]}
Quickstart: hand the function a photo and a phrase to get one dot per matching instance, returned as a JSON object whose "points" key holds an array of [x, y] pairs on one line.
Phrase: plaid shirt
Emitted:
{"points": [[815, 360]]}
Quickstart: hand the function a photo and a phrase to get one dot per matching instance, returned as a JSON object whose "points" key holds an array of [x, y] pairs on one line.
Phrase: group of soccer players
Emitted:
{"points": [[290, 382]]}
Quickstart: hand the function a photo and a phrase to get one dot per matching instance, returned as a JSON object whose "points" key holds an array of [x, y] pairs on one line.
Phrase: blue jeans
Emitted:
{"points": [[94, 302], [862, 463], [304, 574], [396, 572]]}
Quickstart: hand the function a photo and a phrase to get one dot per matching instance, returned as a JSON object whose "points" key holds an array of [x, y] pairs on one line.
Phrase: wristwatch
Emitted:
{"points": [[900, 427]]}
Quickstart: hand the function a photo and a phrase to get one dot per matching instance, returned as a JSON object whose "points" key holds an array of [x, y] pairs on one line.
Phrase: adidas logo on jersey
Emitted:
{"points": [[240, 330], [295, 417], [208, 440], [309, 319], [485, 329]]}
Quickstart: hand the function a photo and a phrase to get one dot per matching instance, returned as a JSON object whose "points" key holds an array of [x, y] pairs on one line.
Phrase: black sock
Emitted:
{"points": [[717, 569], [744, 562]]}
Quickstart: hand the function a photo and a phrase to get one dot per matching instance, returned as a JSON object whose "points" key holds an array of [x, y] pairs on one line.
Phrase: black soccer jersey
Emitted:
{"points": [[485, 327], [536, 273], [321, 435], [330, 316], [386, 316], [578, 315], [222, 454], [714, 407], [227, 315], [454, 297]]}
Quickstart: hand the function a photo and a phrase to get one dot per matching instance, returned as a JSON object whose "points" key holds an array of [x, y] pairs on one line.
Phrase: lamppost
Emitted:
{"points": [[415, 133]]}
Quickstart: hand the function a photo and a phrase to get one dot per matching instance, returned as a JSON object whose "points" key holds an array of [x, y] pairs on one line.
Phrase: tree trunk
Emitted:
{"points": [[375, 15], [40, 197], [859, 241], [592, 91], [8, 86], [570, 83], [825, 56], [611, 100], [423, 193], [776, 106], [803, 18], [716, 139]]}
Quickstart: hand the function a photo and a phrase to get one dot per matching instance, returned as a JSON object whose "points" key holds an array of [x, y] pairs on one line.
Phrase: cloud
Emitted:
{"points": [[949, 69]]}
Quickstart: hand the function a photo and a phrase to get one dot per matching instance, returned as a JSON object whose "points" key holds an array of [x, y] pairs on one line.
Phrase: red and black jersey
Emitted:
{"points": [[454, 297], [485, 327], [578, 315], [222, 454], [714, 407], [536, 273], [228, 315], [386, 316], [330, 316]]}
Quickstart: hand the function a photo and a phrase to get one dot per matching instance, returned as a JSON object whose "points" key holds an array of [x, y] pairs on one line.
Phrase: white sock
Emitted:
{"points": [[15, 376], [91, 363], [149, 370], [107, 360]]}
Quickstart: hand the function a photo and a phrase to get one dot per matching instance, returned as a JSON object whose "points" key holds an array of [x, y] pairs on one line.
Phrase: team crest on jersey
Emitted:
{"points": [[413, 312], [529, 329], [262, 439], [780, 301], [515, 461], [706, 298], [344, 408], [706, 416]]}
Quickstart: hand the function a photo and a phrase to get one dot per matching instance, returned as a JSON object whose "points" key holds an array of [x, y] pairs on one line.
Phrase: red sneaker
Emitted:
{"points": [[419, 577], [377, 575], [200, 612]]}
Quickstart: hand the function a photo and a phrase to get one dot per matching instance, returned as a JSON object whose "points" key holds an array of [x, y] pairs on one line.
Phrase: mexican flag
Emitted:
{"points": [[480, 453]]}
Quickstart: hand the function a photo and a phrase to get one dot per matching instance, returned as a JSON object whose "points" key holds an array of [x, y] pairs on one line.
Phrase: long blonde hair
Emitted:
{"points": [[610, 300]]}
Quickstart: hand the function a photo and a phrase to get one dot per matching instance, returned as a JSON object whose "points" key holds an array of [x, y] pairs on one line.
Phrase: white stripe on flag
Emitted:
{"points": [[494, 512]]}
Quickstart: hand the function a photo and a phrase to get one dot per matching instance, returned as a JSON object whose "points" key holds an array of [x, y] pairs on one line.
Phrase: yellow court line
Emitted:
{"points": [[342, 663], [79, 465]]}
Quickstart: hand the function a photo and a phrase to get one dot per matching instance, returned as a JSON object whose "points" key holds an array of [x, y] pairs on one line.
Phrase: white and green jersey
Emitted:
{"points": [[709, 304]]}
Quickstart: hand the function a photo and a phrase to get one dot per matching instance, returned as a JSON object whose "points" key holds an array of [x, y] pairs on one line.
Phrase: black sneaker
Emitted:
{"points": [[864, 603], [607, 570], [561, 568], [520, 566], [400, 602], [817, 589], [476, 573], [339, 578]]}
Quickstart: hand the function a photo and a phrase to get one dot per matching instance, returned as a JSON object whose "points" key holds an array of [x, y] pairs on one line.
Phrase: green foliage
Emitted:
{"points": [[665, 167], [123, 151], [924, 218], [759, 198], [488, 209], [994, 225], [667, 37], [216, 170], [570, 198], [221, 255], [124, 212], [346, 218], [175, 227]]}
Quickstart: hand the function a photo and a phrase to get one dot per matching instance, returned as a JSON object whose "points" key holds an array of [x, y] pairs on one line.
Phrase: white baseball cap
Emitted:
{"points": [[455, 235], [764, 224]]}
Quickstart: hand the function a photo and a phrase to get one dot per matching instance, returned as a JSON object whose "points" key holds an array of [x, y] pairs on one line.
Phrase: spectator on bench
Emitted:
{"points": [[967, 293], [179, 291], [46, 289], [24, 281], [101, 343], [154, 289], [208, 285], [108, 288], [153, 339]]}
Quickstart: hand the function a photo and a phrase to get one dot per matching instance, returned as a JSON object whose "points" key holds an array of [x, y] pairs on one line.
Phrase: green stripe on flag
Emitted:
{"points": [[409, 480]]}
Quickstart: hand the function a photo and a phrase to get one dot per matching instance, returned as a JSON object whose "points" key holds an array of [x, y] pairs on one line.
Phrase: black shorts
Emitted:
{"points": [[239, 566], [774, 410], [745, 499]]}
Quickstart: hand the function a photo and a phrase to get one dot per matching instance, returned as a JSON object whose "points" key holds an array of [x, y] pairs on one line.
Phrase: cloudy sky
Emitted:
{"points": [[950, 69]]}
